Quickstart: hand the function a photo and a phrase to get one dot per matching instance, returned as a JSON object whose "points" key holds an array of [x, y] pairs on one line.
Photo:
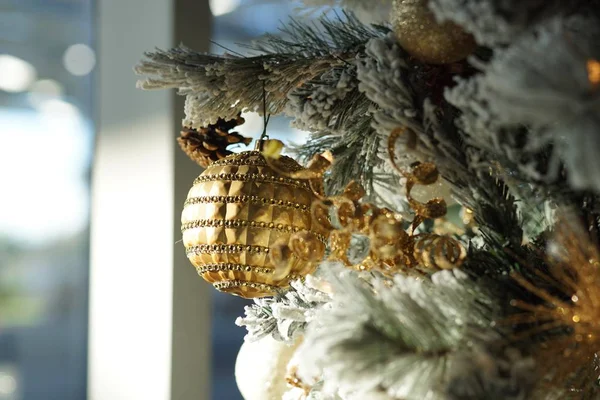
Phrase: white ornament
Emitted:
{"points": [[294, 394], [261, 368]]}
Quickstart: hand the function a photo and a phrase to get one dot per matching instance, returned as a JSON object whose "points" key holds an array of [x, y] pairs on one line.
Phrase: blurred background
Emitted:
{"points": [[49, 88]]}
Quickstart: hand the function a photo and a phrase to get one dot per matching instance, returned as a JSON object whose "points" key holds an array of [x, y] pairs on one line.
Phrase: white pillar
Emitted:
{"points": [[149, 313]]}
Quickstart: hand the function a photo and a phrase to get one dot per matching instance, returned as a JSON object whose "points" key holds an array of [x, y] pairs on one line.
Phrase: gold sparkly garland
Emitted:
{"points": [[293, 380], [392, 249]]}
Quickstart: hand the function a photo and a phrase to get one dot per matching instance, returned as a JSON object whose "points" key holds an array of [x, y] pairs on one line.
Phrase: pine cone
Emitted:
{"points": [[210, 143]]}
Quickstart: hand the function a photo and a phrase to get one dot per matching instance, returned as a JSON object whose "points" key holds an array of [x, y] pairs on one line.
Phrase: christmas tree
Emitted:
{"points": [[363, 274]]}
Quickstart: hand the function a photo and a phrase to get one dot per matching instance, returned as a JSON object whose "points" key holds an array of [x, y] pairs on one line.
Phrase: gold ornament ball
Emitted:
{"points": [[429, 41], [240, 209]]}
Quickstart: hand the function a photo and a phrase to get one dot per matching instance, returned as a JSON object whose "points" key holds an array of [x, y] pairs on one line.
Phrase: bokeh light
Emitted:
{"points": [[79, 59], [44, 90], [16, 75]]}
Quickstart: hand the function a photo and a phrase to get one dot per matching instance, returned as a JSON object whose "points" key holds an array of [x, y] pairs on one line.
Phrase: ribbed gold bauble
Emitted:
{"points": [[238, 210], [424, 38]]}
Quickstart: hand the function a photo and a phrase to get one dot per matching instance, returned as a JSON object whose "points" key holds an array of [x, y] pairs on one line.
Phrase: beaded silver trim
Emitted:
{"points": [[224, 249], [237, 223], [233, 267], [226, 285], [258, 178], [253, 158]]}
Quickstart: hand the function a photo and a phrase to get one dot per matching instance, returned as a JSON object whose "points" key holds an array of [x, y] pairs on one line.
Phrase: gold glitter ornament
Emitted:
{"points": [[568, 316], [239, 213], [426, 39]]}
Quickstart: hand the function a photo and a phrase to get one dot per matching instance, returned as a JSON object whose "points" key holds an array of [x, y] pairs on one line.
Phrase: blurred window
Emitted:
{"points": [[46, 140]]}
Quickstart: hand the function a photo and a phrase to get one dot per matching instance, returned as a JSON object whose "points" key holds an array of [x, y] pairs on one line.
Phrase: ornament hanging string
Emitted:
{"points": [[263, 135]]}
